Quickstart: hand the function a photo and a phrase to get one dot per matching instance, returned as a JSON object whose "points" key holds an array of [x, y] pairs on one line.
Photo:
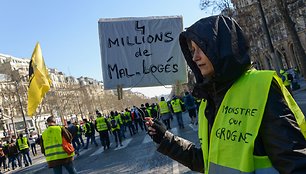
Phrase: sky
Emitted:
{"points": [[68, 30]]}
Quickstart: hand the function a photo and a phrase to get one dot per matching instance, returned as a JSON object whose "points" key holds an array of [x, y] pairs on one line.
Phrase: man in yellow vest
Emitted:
{"points": [[176, 105], [116, 122], [103, 126], [287, 81], [165, 113], [89, 133], [248, 121], [51, 147]]}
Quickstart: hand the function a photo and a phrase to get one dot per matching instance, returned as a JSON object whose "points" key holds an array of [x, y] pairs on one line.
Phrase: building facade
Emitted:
{"points": [[248, 16]]}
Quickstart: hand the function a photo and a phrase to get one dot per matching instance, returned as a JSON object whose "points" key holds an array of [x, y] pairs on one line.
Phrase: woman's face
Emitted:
{"points": [[202, 61]]}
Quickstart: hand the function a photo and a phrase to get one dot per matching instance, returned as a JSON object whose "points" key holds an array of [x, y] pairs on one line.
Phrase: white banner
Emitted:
{"points": [[141, 52]]}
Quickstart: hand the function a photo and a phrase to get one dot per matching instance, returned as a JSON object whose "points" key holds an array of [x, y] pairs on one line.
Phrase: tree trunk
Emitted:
{"points": [[290, 25]]}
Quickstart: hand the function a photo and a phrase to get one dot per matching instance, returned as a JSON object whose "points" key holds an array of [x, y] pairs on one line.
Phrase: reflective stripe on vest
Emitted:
{"points": [[101, 124], [163, 105], [52, 141], [176, 105], [23, 144], [242, 106]]}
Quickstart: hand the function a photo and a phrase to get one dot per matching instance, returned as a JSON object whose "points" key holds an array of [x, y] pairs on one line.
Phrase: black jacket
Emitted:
{"points": [[279, 136]]}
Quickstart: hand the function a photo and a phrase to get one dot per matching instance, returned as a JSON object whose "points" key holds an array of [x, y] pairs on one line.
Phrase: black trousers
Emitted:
{"points": [[104, 137]]}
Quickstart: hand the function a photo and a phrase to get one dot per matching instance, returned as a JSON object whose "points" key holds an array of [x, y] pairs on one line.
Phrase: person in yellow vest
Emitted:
{"points": [[286, 79], [248, 121], [176, 105], [89, 133], [102, 126], [79, 133], [23, 145], [129, 121], [165, 113], [51, 147], [115, 122]]}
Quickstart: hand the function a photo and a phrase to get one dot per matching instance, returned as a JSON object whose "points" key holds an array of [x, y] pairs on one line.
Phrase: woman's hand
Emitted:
{"points": [[156, 129]]}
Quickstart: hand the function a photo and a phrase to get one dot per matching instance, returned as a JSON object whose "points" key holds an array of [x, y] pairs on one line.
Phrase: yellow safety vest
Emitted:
{"points": [[24, 144], [149, 111], [79, 129], [128, 117], [286, 81], [117, 118], [176, 105], [163, 105], [231, 145], [101, 124], [85, 128], [52, 140]]}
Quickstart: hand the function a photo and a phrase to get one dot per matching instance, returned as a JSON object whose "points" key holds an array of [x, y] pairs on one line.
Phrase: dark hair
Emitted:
{"points": [[20, 136], [68, 122], [51, 119]]}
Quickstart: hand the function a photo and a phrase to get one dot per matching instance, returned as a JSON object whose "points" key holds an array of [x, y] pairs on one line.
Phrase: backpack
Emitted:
{"points": [[290, 77], [73, 130], [113, 123]]}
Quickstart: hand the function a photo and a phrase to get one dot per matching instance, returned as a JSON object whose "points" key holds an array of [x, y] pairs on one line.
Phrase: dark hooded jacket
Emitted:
{"points": [[223, 42]]}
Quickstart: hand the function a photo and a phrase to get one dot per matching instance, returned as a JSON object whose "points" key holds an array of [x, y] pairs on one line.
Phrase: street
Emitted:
{"points": [[138, 153]]}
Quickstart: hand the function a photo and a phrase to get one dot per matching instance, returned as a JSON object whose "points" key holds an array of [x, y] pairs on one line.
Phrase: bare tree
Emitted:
{"points": [[224, 6]]}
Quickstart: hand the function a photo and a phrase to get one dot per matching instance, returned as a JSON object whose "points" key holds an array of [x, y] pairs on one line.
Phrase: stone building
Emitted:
{"points": [[248, 16], [68, 96]]}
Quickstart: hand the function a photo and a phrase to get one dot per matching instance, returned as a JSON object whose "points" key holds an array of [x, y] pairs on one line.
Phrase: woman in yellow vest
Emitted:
{"points": [[51, 147], [248, 121]]}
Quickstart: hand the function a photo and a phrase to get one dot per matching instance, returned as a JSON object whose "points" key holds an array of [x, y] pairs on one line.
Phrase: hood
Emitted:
{"points": [[223, 42]]}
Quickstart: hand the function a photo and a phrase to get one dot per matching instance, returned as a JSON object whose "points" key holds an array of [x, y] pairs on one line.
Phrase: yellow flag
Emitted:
{"points": [[39, 80]]}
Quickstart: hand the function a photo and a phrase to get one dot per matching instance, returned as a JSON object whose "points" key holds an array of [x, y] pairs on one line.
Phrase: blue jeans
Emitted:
{"points": [[12, 160], [26, 155], [179, 119], [93, 139], [69, 167]]}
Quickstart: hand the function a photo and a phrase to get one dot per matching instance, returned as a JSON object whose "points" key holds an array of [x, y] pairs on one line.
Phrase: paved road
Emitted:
{"points": [[137, 155]]}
